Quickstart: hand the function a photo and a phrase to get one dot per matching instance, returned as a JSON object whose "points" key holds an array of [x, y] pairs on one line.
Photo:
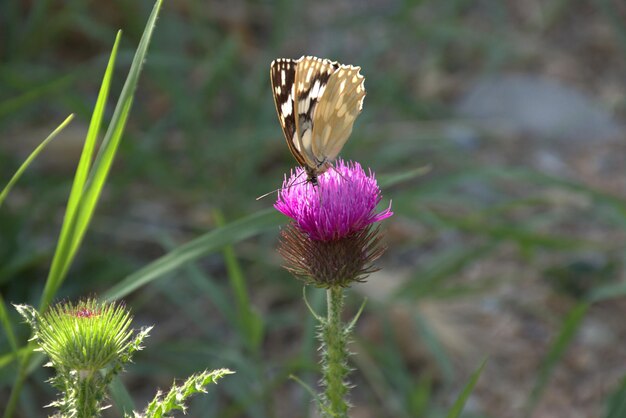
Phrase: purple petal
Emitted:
{"points": [[343, 203]]}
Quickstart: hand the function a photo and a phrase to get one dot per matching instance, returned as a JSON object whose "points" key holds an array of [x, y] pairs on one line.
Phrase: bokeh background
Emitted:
{"points": [[516, 225]]}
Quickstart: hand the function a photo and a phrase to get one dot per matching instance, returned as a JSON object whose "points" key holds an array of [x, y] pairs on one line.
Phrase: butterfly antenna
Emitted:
{"points": [[267, 194], [289, 186]]}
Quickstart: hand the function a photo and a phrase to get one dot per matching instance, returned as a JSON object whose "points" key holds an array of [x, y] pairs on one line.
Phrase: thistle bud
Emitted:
{"points": [[86, 336], [88, 343]]}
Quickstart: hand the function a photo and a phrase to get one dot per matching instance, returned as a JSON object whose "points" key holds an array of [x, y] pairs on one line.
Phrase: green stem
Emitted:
{"points": [[335, 357], [88, 396]]}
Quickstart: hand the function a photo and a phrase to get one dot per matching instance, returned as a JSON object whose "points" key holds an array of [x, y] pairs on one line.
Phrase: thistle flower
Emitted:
{"points": [[88, 343], [331, 241]]}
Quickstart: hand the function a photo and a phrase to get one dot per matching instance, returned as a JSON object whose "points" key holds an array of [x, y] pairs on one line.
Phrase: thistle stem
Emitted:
{"points": [[335, 357], [88, 395]]}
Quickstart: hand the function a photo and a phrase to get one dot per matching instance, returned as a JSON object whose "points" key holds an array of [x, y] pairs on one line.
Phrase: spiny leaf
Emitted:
{"points": [[176, 397]]}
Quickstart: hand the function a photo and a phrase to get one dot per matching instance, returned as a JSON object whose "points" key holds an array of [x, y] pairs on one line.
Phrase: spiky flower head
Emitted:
{"points": [[343, 203], [85, 336], [331, 240]]}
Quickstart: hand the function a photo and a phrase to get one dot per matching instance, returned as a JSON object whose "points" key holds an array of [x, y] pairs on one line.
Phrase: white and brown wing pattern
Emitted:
{"points": [[283, 74], [336, 112], [312, 75], [317, 101]]}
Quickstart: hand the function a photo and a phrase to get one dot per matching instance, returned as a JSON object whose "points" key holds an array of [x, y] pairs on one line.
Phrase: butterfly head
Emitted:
{"points": [[311, 175]]}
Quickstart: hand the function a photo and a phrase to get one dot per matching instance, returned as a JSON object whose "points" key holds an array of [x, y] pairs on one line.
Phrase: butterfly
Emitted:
{"points": [[317, 101]]}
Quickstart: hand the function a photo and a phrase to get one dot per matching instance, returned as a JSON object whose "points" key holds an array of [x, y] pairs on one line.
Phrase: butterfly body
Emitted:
{"points": [[317, 101]]}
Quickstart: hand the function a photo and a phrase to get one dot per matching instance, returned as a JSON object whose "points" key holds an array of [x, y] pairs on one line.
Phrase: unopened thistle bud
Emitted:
{"points": [[331, 241], [88, 343], [86, 336]]}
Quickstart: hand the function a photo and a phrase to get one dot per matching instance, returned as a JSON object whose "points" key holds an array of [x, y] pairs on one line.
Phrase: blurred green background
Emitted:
{"points": [[517, 108]]}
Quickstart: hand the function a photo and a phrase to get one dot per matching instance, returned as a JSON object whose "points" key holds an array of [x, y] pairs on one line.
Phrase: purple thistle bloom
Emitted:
{"points": [[342, 204], [331, 241]]}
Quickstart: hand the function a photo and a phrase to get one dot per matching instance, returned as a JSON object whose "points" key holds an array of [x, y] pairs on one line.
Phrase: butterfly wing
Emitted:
{"points": [[312, 75], [336, 112], [283, 74], [317, 101]]}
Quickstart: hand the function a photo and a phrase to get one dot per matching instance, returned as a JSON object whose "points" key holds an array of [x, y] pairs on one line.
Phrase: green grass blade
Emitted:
{"points": [[113, 136], [459, 404], [203, 286], [31, 157], [8, 328], [388, 180], [9, 358], [84, 164], [212, 241], [121, 398], [104, 160], [34, 94], [570, 326], [523, 235], [206, 287], [62, 255], [434, 345], [616, 407], [93, 189], [250, 324], [433, 277]]}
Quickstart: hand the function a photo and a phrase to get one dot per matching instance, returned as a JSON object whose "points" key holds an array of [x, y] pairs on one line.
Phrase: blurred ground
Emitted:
{"points": [[518, 108]]}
